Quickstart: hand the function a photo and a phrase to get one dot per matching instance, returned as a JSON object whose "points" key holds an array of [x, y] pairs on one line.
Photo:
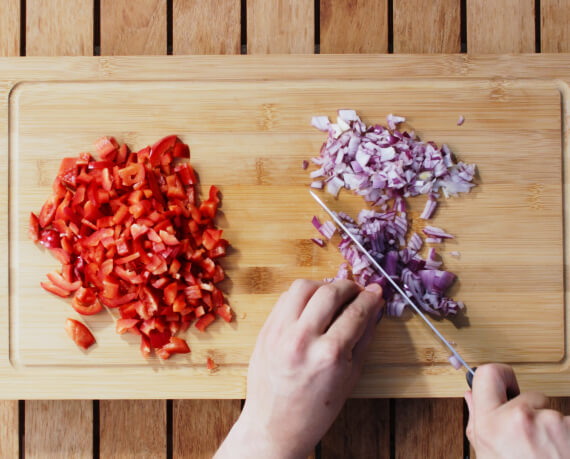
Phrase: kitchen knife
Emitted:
{"points": [[470, 371]]}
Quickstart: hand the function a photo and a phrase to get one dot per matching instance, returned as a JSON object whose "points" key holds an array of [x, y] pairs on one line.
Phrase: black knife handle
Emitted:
{"points": [[469, 377]]}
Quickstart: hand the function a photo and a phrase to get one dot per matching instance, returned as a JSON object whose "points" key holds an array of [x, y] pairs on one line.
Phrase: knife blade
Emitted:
{"points": [[340, 224]]}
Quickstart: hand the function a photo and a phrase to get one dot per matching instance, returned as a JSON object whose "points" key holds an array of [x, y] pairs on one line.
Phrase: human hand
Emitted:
{"points": [[521, 427], [306, 361]]}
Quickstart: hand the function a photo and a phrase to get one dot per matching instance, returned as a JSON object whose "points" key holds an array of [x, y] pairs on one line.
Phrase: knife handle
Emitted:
{"points": [[510, 392], [469, 377]]}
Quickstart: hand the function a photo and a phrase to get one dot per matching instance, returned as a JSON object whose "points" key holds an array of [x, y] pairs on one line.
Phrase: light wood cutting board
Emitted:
{"points": [[248, 126]]}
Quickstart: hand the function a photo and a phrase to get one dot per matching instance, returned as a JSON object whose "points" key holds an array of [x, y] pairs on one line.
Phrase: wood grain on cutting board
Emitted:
{"points": [[260, 142]]}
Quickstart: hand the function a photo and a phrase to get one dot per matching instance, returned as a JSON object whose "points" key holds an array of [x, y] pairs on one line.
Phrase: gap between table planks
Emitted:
{"points": [[552, 27]]}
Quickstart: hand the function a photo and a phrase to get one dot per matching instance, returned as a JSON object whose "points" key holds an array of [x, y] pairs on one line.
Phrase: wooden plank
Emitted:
{"points": [[199, 426], [353, 26], [10, 28], [500, 26], [362, 430], [127, 29], [206, 27], [59, 428], [132, 429], [561, 404], [59, 28], [427, 27], [555, 38], [428, 428], [56, 428], [555, 26], [9, 428], [280, 26]]}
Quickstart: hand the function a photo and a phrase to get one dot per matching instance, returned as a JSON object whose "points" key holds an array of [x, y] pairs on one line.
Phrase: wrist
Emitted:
{"points": [[249, 438]]}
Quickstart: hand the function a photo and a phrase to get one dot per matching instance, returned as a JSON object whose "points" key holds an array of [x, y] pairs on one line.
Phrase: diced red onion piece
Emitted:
{"points": [[434, 240], [455, 253], [342, 272], [322, 123], [318, 241], [327, 229], [348, 115], [455, 363], [429, 208], [334, 186], [318, 184], [393, 120], [436, 232], [317, 173], [461, 120], [305, 164]]}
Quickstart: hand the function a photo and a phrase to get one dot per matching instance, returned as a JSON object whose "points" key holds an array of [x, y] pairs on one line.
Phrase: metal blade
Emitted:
{"points": [[389, 278]]}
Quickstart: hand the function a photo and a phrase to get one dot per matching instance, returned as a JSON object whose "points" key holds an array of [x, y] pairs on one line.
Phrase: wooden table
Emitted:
{"points": [[194, 428]]}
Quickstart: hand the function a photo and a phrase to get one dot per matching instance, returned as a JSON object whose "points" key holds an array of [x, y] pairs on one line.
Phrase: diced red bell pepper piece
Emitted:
{"points": [[79, 333], [85, 302], [160, 148], [170, 292], [225, 312], [176, 346], [47, 213], [204, 321], [55, 289], [181, 150], [58, 280], [145, 346], [106, 147], [123, 325]]}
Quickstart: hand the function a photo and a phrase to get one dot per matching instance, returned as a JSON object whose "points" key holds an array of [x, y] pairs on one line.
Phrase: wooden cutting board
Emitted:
{"points": [[248, 126]]}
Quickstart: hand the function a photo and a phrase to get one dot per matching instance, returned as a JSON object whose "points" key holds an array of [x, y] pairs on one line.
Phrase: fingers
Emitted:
{"points": [[293, 301], [491, 384], [468, 396], [350, 326], [362, 345], [534, 400], [325, 304]]}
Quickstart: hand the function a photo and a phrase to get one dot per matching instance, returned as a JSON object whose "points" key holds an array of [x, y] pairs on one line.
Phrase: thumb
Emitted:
{"points": [[493, 384]]}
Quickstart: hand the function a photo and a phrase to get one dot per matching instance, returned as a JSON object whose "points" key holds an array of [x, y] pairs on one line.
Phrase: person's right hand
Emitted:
{"points": [[519, 428]]}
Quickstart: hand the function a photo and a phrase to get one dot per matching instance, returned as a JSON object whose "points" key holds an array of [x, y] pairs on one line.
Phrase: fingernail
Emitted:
{"points": [[374, 288]]}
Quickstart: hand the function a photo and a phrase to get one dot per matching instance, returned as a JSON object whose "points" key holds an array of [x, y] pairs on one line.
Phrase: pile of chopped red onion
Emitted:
{"points": [[385, 166]]}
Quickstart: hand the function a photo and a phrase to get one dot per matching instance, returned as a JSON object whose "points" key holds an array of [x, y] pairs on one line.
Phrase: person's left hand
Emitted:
{"points": [[306, 361]]}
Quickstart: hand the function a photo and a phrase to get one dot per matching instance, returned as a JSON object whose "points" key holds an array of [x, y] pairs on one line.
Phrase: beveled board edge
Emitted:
{"points": [[554, 379]]}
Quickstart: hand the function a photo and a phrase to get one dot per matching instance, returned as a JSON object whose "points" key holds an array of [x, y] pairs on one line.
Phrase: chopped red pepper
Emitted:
{"points": [[130, 234]]}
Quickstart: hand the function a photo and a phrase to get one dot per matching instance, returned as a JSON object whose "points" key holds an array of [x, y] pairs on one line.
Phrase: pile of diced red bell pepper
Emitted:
{"points": [[130, 234]]}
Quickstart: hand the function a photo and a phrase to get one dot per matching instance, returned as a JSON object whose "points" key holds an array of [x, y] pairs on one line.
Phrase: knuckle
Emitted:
{"points": [[357, 310], [299, 284], [297, 343], [328, 292], [523, 418], [295, 348], [551, 418], [331, 353]]}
